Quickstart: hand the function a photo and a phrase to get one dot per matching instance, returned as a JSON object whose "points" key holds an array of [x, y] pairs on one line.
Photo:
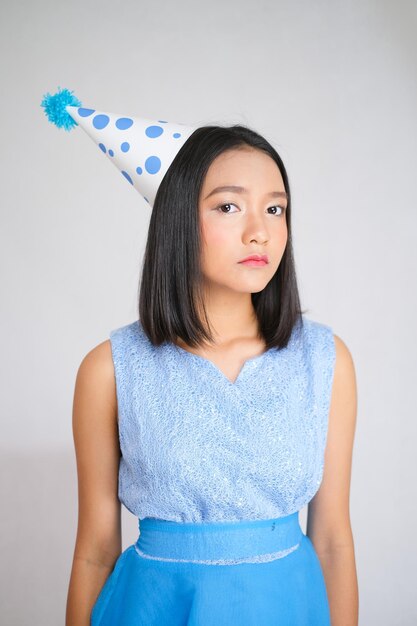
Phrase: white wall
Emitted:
{"points": [[333, 86]]}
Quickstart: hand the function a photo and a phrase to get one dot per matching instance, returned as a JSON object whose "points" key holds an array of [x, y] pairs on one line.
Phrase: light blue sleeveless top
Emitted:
{"points": [[198, 448]]}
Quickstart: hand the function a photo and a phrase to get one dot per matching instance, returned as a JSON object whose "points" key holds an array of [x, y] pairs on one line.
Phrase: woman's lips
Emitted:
{"points": [[253, 263], [255, 260]]}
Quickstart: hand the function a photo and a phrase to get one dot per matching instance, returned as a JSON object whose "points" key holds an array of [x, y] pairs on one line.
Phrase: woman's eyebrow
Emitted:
{"points": [[238, 189]]}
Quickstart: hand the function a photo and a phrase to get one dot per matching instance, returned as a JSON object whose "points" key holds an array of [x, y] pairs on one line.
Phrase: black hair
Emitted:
{"points": [[170, 295]]}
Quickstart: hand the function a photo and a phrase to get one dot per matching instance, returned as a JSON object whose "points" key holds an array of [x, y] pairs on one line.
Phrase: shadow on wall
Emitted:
{"points": [[38, 532]]}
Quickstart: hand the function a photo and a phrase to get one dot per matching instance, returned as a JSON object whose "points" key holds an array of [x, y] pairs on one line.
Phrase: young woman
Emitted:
{"points": [[215, 417]]}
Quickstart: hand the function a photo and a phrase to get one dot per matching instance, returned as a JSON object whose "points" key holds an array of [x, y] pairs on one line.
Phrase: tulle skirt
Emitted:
{"points": [[246, 573]]}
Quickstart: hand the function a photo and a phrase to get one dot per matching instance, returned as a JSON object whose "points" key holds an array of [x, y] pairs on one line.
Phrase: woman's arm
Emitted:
{"points": [[98, 541], [328, 521]]}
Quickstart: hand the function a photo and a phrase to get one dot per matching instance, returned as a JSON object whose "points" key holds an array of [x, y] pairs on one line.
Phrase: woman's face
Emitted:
{"points": [[237, 223]]}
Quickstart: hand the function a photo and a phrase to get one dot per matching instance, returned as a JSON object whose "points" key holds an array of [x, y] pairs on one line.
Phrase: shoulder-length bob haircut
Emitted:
{"points": [[170, 292]]}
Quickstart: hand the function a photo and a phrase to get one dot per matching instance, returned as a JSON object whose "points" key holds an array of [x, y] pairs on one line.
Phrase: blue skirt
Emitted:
{"points": [[246, 573]]}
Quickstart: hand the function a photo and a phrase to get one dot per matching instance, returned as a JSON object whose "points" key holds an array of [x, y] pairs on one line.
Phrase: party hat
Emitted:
{"points": [[142, 149]]}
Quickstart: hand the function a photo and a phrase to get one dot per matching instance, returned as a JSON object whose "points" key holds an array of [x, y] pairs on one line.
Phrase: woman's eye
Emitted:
{"points": [[219, 208], [281, 209]]}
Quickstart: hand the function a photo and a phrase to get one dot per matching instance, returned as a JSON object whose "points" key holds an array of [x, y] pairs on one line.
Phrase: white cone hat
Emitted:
{"points": [[142, 149]]}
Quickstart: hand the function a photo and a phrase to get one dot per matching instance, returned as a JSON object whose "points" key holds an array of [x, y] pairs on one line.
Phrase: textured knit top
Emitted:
{"points": [[197, 447]]}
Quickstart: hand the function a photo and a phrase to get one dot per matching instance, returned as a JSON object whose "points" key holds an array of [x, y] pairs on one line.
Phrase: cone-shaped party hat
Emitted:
{"points": [[142, 149]]}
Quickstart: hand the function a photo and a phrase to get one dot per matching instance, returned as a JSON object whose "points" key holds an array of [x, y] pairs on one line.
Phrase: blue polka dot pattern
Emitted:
{"points": [[153, 164], [111, 153], [82, 112], [124, 122], [139, 170], [102, 147], [100, 121], [176, 135], [125, 146], [154, 131], [126, 175]]}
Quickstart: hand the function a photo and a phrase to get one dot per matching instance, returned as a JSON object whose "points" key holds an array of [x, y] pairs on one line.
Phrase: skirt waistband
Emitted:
{"points": [[219, 543]]}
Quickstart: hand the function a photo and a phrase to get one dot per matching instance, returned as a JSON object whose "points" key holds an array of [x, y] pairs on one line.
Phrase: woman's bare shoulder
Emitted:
{"points": [[99, 359], [95, 381]]}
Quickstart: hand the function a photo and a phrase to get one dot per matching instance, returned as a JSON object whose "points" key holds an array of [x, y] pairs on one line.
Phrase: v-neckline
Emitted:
{"points": [[205, 361]]}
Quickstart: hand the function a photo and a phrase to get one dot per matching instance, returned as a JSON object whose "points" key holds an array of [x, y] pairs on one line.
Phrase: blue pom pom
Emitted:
{"points": [[55, 108]]}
